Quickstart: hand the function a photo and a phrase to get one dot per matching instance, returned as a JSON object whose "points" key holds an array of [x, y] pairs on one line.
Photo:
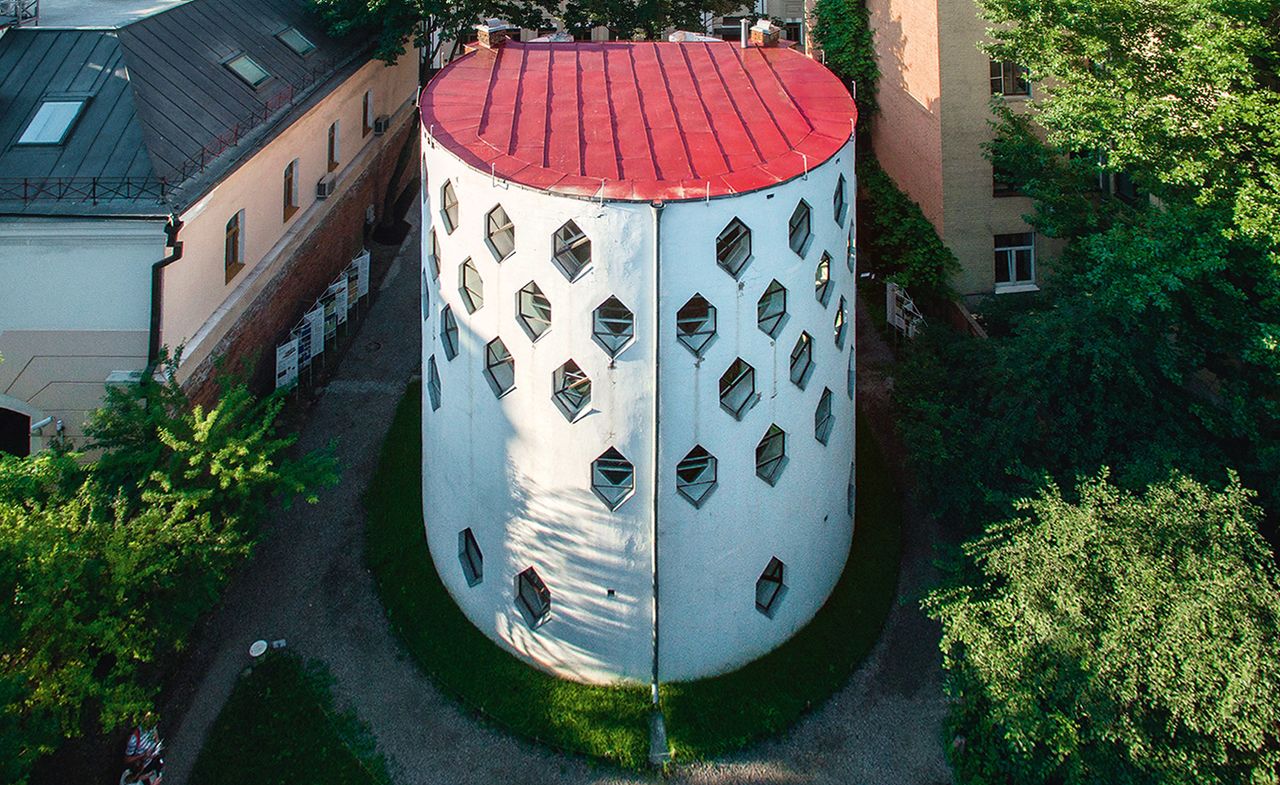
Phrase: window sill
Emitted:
{"points": [[1015, 288]]}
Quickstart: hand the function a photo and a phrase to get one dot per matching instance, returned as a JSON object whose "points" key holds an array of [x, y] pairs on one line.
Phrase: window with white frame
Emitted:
{"points": [[499, 367], [738, 388], [696, 324], [696, 475], [802, 361], [823, 417], [448, 207], [798, 230], [53, 121], [840, 201], [533, 598], [500, 233], [571, 389], [533, 310], [470, 286], [571, 250], [471, 558], [448, 332], [233, 246], [771, 310], [248, 70], [771, 455], [433, 383], [770, 587], [1015, 259], [613, 478], [433, 253], [733, 247], [613, 326], [840, 323], [1009, 78], [822, 279]]}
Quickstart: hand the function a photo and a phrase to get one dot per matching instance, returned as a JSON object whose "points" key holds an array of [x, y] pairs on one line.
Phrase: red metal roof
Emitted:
{"points": [[649, 120]]}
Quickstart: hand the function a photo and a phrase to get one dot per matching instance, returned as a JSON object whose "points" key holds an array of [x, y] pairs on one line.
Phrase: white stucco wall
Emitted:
{"points": [[75, 306], [517, 473]]}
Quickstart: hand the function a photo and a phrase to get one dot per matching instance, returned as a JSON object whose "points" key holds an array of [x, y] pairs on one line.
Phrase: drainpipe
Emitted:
{"points": [[174, 245], [656, 209]]}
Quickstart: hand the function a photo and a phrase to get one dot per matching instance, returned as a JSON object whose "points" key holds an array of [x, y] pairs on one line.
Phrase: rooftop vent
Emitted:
{"points": [[493, 33], [765, 33], [559, 37], [689, 37]]}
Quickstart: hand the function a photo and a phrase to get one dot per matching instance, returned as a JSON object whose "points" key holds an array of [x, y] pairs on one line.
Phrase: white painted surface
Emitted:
{"points": [[517, 472]]}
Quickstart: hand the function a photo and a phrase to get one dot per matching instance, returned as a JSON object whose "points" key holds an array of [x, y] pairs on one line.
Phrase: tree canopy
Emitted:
{"points": [[105, 566], [1116, 637]]}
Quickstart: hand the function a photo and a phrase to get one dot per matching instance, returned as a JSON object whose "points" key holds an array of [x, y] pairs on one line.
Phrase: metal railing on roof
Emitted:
{"points": [[82, 189], [16, 13]]}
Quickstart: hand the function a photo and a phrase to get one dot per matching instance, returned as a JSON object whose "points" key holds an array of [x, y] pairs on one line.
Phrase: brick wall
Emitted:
{"points": [[303, 277]]}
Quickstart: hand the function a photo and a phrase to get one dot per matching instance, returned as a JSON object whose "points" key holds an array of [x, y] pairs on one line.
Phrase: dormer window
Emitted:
{"points": [[52, 121], [296, 41], [247, 69]]}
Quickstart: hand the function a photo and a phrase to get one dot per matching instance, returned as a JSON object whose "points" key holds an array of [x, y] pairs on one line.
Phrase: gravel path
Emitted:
{"points": [[307, 584]]}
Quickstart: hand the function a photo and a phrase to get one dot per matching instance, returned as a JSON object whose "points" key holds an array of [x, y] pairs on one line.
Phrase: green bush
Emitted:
{"points": [[843, 29]]}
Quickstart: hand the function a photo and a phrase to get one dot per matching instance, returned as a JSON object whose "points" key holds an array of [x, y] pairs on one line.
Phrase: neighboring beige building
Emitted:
{"points": [[935, 91], [190, 174]]}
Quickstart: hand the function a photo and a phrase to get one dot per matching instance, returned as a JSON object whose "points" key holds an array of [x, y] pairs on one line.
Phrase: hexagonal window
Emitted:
{"points": [[448, 332], [433, 383], [433, 254], [696, 324], [733, 247], [500, 233], [851, 491], [823, 418], [499, 367], [448, 207], [770, 587], [771, 455], [738, 388], [802, 361], [839, 324], [696, 476], [771, 310], [851, 254], [613, 478], [798, 233], [572, 250], [851, 377], [533, 598], [470, 286], [533, 310], [822, 279], [471, 558], [426, 298], [571, 389], [840, 200], [613, 326]]}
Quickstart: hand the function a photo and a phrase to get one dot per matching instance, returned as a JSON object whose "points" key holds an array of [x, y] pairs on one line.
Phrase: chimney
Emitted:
{"points": [[493, 33], [765, 33]]}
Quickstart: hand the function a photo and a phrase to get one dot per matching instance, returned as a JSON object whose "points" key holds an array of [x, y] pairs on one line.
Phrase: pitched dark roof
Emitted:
{"points": [[166, 119]]}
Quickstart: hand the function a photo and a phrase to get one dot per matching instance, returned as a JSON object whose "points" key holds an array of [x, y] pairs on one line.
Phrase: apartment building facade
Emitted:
{"points": [[192, 176], [935, 93]]}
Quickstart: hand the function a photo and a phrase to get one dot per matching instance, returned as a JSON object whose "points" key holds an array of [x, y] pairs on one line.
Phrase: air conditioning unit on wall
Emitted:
{"points": [[381, 125], [324, 188]]}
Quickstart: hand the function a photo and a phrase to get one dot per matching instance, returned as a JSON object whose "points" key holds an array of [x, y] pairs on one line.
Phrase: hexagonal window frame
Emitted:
{"points": [[733, 248]]}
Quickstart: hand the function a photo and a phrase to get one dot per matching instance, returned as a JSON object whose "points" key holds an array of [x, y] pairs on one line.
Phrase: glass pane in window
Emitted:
{"points": [[52, 122]]}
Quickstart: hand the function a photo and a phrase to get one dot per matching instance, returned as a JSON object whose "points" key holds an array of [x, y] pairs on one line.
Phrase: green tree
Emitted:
{"points": [[105, 567], [1120, 637], [843, 29]]}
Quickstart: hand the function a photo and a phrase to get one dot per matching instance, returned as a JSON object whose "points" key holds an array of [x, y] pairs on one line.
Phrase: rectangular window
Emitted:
{"points": [[366, 113], [233, 248], [248, 69], [1000, 187], [296, 41], [1009, 78], [291, 189], [333, 146], [52, 122], [1015, 259]]}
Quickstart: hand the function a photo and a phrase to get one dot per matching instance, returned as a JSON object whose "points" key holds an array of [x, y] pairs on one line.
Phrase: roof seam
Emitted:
{"points": [[613, 116], [515, 109], [675, 116], [737, 110], [648, 132], [702, 104]]}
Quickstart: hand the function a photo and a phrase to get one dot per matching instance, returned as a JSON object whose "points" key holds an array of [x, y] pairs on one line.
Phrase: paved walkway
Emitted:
{"points": [[307, 583]]}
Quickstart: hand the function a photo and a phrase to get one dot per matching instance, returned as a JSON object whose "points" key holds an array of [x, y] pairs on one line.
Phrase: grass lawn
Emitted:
{"points": [[279, 728], [703, 718]]}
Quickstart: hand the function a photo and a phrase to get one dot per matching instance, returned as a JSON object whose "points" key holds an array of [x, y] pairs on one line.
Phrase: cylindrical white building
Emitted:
{"points": [[637, 349]]}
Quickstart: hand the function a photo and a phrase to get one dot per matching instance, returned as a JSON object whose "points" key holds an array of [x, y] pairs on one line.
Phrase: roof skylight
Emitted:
{"points": [[244, 67], [52, 122], [295, 40]]}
